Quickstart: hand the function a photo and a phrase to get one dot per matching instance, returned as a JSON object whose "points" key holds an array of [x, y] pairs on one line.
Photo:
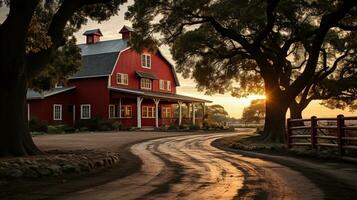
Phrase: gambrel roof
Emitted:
{"points": [[99, 59]]}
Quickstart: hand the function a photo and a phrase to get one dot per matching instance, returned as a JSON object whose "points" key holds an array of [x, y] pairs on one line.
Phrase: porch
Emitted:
{"points": [[137, 108]]}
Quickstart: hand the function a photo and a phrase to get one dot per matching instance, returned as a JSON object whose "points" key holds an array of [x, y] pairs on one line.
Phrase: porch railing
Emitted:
{"points": [[336, 133]]}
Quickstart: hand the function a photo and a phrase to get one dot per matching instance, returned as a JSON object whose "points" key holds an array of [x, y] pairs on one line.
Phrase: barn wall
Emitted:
{"points": [[129, 61]]}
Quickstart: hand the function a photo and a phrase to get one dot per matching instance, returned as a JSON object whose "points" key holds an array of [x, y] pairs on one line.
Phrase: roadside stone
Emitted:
{"points": [[99, 163], [44, 171], [56, 163], [30, 173], [14, 173], [56, 170]]}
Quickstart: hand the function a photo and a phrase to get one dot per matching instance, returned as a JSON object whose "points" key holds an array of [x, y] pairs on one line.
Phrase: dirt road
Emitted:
{"points": [[188, 167]]}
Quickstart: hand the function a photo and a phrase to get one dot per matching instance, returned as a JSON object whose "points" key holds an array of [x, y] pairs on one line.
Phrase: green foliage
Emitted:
{"points": [[193, 127], [57, 129], [98, 124], [173, 126], [254, 112], [37, 125], [66, 62]]}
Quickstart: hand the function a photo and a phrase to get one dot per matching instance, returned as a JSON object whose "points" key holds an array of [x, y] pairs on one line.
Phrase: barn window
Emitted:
{"points": [[146, 61], [166, 112], [85, 111], [165, 85], [113, 111], [148, 111], [122, 79], [126, 111], [145, 83], [57, 112]]}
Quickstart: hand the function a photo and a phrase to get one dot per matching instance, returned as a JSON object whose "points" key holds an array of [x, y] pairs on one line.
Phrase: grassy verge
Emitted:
{"points": [[255, 143], [251, 143]]}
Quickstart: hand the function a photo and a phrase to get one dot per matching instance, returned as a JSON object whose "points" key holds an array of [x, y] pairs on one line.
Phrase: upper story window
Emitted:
{"points": [[145, 84], [85, 111], [146, 61], [57, 112], [165, 85], [122, 79]]}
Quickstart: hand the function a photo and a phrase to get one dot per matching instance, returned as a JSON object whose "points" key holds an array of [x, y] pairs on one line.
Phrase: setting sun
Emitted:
{"points": [[246, 101]]}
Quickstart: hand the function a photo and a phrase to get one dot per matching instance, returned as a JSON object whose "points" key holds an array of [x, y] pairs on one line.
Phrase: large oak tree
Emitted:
{"points": [[223, 43], [24, 56]]}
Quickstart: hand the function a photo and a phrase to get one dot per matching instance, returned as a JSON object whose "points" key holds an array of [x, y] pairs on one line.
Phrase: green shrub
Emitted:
{"points": [[98, 124], [172, 127], [57, 129], [116, 126], [37, 125], [194, 127]]}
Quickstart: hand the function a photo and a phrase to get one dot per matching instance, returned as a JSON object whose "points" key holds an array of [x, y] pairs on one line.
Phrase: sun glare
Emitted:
{"points": [[246, 101]]}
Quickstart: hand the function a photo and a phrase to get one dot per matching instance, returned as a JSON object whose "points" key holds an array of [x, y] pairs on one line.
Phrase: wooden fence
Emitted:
{"points": [[339, 133]]}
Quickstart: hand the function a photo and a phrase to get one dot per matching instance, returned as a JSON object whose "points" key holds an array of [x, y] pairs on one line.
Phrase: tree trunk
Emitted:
{"points": [[295, 110], [276, 106], [15, 139], [274, 126]]}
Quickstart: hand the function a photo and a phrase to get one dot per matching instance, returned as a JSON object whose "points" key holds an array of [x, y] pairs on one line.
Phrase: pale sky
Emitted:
{"points": [[233, 105]]}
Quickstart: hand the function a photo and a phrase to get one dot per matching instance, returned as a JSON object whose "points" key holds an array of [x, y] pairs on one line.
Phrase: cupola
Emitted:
{"points": [[93, 36], [126, 32]]}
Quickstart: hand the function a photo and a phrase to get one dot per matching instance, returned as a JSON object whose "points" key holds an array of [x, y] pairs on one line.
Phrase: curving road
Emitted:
{"points": [[188, 167]]}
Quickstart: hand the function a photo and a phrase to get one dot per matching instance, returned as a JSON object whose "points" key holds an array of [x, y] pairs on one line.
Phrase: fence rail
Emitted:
{"points": [[339, 133]]}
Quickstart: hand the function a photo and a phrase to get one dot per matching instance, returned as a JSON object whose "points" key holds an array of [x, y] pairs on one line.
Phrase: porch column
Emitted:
{"points": [[193, 114], [180, 112], [188, 110], [203, 110], [139, 100], [119, 108], [157, 112]]}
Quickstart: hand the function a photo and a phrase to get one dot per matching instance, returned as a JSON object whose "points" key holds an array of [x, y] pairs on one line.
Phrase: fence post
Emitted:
{"points": [[313, 132], [288, 133], [340, 134]]}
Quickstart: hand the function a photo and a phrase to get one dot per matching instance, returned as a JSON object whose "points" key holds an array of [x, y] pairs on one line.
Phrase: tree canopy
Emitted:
{"points": [[251, 46], [254, 112]]}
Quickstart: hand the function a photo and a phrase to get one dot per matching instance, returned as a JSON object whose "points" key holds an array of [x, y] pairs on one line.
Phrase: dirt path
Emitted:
{"points": [[188, 167]]}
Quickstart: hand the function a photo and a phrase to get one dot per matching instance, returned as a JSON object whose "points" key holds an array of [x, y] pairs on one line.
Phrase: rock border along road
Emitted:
{"points": [[188, 167]]}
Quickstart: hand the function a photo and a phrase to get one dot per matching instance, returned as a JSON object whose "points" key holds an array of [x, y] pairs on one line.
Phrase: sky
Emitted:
{"points": [[233, 105]]}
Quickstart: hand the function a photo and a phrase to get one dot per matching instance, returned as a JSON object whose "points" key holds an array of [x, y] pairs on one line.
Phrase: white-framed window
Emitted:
{"points": [[126, 111], [85, 111], [113, 111], [148, 111], [57, 112], [168, 85], [165, 85], [146, 61], [165, 112], [122, 79], [145, 84]]}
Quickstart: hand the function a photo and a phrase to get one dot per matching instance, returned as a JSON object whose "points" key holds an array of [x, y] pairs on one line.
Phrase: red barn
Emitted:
{"points": [[116, 82]]}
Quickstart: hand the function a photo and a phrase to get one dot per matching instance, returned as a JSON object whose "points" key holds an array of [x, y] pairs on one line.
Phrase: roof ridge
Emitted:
{"points": [[102, 41]]}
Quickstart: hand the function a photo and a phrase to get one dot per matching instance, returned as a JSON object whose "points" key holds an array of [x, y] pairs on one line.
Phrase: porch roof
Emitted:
{"points": [[160, 95], [146, 75]]}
